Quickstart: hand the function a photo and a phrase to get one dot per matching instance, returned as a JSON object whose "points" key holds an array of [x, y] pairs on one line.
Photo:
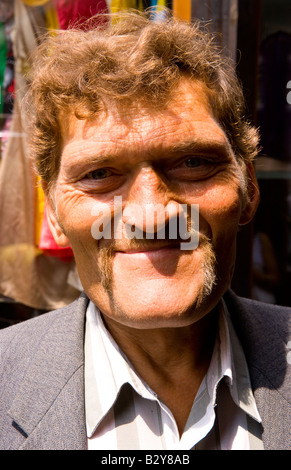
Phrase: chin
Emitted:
{"points": [[158, 303], [142, 296]]}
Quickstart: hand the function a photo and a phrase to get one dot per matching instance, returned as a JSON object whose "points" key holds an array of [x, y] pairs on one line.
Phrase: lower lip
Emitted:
{"points": [[152, 254]]}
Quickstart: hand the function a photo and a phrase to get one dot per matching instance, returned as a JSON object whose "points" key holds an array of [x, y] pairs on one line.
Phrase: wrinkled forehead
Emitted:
{"points": [[189, 96]]}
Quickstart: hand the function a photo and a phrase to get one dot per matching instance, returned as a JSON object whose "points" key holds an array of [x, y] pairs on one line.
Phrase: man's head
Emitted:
{"points": [[153, 114], [133, 60]]}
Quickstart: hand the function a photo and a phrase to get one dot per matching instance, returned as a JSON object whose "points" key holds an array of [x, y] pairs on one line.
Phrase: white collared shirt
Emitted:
{"points": [[123, 413]]}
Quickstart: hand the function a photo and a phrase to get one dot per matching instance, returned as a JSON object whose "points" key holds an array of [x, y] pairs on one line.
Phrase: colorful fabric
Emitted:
{"points": [[119, 5], [39, 209], [154, 3], [157, 6], [3, 59], [35, 3], [51, 17], [26, 274], [75, 12], [182, 9]]}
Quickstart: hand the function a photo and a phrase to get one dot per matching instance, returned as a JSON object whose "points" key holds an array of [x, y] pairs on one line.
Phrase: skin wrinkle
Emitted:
{"points": [[132, 59], [145, 127], [128, 99], [151, 296], [126, 125]]}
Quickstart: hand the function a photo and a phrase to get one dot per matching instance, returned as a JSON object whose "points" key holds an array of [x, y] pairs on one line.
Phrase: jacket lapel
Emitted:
{"points": [[49, 406], [264, 331], [48, 410]]}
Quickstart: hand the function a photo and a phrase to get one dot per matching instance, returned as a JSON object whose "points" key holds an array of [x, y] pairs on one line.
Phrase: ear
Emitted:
{"points": [[52, 220], [55, 228], [253, 196]]}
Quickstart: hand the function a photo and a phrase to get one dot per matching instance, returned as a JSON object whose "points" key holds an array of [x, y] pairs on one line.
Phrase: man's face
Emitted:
{"points": [[170, 157]]}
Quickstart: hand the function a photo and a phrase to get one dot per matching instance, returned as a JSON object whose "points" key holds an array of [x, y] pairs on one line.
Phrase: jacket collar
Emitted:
{"points": [[54, 373], [264, 332]]}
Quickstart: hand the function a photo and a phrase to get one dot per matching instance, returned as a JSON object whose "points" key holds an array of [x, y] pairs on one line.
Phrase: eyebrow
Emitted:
{"points": [[219, 148], [215, 147], [85, 158]]}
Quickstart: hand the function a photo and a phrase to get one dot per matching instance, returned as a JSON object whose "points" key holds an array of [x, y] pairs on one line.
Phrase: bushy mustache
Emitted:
{"points": [[177, 222], [108, 248]]}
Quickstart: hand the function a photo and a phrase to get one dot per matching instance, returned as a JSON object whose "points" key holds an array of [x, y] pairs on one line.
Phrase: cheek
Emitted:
{"points": [[223, 206], [79, 214], [220, 212]]}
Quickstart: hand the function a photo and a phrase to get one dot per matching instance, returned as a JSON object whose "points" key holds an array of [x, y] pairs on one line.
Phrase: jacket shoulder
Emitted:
{"points": [[19, 342], [32, 327], [40, 360], [264, 331], [259, 318]]}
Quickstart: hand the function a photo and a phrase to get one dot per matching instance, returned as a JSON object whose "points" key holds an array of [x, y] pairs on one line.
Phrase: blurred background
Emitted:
{"points": [[36, 275]]}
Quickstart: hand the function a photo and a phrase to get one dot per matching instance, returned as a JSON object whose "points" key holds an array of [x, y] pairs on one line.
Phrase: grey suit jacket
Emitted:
{"points": [[42, 375]]}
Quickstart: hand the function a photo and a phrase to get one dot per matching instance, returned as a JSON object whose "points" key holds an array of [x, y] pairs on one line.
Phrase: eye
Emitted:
{"points": [[102, 180], [99, 174], [194, 168], [192, 162]]}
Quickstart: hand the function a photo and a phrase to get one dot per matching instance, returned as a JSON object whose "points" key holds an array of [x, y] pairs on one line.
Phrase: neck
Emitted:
{"points": [[172, 361]]}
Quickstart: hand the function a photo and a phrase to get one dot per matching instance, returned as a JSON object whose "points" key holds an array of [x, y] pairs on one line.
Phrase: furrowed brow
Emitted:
{"points": [[218, 148]]}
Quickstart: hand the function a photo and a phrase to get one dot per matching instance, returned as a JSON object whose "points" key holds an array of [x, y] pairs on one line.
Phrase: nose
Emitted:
{"points": [[149, 206]]}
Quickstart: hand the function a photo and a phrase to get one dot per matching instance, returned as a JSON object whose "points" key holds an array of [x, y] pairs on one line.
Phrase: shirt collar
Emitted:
{"points": [[107, 369], [240, 383]]}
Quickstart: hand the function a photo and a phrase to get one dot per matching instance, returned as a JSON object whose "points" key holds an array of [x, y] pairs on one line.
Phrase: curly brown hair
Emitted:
{"points": [[133, 58]]}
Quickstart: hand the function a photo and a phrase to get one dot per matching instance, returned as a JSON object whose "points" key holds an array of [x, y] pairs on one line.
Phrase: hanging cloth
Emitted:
{"points": [[119, 5], [76, 12], [3, 60], [154, 3], [51, 17], [52, 24], [221, 17], [39, 209], [26, 273], [35, 3], [49, 9], [182, 9], [157, 8]]}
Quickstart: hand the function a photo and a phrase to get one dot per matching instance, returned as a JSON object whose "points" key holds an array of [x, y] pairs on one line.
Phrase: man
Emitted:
{"points": [[158, 354]]}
